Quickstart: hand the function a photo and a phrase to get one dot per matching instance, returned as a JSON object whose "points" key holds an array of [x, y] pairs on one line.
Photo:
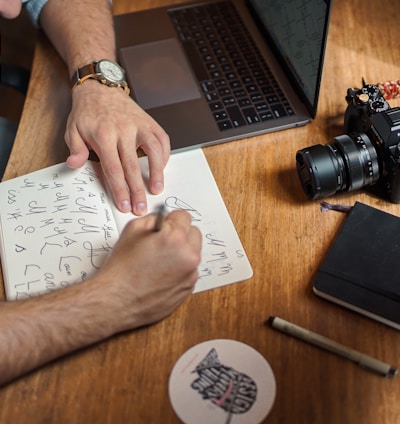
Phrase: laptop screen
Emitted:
{"points": [[298, 29]]}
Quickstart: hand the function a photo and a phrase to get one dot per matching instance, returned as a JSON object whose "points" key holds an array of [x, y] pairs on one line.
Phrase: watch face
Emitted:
{"points": [[111, 71]]}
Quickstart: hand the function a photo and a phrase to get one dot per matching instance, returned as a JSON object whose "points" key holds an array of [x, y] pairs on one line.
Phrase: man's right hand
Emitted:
{"points": [[149, 274]]}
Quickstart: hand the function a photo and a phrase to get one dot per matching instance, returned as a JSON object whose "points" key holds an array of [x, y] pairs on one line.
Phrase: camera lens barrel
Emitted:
{"points": [[347, 163], [320, 173]]}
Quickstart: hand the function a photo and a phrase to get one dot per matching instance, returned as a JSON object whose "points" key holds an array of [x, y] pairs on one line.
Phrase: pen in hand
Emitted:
{"points": [[160, 217]]}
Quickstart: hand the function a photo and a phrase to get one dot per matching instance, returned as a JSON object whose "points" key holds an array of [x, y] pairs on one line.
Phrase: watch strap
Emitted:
{"points": [[89, 72], [82, 74]]}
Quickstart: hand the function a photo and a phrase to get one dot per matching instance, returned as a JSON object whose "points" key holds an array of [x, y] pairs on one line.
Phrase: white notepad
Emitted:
{"points": [[58, 225]]}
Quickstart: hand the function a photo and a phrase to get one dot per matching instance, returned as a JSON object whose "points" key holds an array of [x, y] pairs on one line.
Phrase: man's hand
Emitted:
{"points": [[108, 121], [149, 274]]}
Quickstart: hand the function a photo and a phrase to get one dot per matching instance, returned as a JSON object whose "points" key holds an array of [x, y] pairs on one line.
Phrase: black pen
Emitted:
{"points": [[323, 342], [160, 217]]}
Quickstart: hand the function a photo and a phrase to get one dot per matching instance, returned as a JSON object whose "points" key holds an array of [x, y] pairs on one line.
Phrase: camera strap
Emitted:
{"points": [[390, 89]]}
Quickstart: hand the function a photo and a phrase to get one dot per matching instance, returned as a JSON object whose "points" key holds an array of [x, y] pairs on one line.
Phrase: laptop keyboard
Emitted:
{"points": [[235, 80]]}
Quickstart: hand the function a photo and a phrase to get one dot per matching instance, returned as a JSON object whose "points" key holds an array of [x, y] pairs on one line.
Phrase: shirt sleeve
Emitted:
{"points": [[34, 7]]}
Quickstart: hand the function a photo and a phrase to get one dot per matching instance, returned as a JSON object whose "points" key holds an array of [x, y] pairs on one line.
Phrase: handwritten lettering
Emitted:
{"points": [[60, 208], [19, 248], [218, 257], [79, 181], [107, 215], [61, 197], [48, 245], [95, 253], [25, 230], [17, 214], [68, 241], [33, 208], [107, 230], [49, 281], [90, 173], [29, 266], [240, 254], [174, 203], [11, 199], [83, 208], [67, 268], [225, 269], [28, 184], [43, 186], [86, 228], [204, 273], [57, 185], [47, 222], [64, 259], [213, 241], [65, 221], [56, 232]]}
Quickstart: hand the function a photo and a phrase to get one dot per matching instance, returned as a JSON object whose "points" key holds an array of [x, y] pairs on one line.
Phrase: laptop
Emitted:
{"points": [[221, 70]]}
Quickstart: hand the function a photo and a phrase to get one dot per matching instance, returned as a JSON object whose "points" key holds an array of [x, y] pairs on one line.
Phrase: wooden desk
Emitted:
{"points": [[124, 380]]}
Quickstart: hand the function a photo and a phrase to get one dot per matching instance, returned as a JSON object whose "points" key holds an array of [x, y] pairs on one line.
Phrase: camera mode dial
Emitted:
{"points": [[376, 102], [379, 106]]}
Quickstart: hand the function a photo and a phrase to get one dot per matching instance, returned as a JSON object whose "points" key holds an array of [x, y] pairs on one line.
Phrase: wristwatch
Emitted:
{"points": [[105, 71]]}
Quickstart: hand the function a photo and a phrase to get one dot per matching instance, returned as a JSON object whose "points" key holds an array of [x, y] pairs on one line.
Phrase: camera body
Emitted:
{"points": [[368, 154]]}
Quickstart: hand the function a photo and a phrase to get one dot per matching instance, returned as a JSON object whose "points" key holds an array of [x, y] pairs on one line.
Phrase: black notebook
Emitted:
{"points": [[362, 268]]}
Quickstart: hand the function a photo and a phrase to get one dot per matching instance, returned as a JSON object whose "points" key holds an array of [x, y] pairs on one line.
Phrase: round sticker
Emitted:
{"points": [[222, 381]]}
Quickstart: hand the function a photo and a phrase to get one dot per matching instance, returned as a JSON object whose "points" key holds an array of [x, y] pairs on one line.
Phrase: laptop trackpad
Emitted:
{"points": [[159, 73]]}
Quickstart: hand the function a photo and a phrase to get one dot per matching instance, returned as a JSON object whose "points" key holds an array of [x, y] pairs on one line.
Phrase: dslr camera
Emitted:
{"points": [[368, 154]]}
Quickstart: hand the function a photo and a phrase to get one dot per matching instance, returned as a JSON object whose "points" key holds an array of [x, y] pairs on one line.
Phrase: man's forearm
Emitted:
{"points": [[41, 329], [146, 277], [81, 30]]}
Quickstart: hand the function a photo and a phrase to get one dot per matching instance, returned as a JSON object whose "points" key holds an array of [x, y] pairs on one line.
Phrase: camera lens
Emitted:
{"points": [[347, 163]]}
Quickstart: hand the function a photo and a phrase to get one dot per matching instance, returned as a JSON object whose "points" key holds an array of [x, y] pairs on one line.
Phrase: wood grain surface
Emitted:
{"points": [[125, 379]]}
